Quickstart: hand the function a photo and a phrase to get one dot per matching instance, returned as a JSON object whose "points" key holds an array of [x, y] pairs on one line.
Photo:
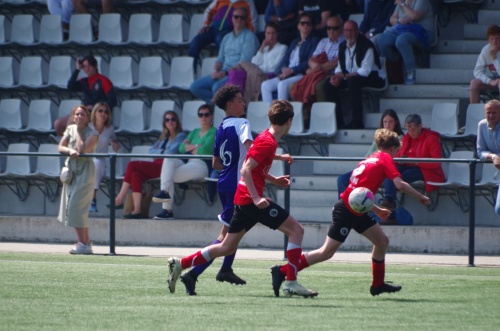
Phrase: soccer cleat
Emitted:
{"points": [[277, 279], [229, 276], [81, 248], [292, 287], [189, 282], [174, 271], [384, 288]]}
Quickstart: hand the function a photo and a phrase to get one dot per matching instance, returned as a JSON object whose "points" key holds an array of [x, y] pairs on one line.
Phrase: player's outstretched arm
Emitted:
{"points": [[403, 186]]}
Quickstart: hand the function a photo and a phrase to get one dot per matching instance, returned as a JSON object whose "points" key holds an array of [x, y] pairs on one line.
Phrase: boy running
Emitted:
{"points": [[251, 207], [370, 173], [232, 140]]}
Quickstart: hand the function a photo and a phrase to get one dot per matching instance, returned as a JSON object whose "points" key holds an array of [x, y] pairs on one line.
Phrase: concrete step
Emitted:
{"points": [[444, 76], [488, 16], [334, 168], [460, 46], [420, 106], [354, 137], [347, 150], [314, 183], [453, 61], [459, 91], [476, 31], [309, 199], [314, 215], [491, 4]]}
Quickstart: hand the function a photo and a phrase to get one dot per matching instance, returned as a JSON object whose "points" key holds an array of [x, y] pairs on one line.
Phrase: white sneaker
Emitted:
{"points": [[81, 248], [292, 287], [174, 271]]}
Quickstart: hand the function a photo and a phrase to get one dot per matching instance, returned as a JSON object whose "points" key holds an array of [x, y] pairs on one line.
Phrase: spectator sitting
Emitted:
{"points": [[95, 88], [236, 47], [322, 63], [218, 22], [416, 143], [294, 63], [487, 70], [264, 63], [412, 25], [284, 14], [390, 121], [81, 6], [65, 9], [199, 142], [376, 18], [101, 121], [359, 66], [321, 10], [488, 139], [138, 172]]}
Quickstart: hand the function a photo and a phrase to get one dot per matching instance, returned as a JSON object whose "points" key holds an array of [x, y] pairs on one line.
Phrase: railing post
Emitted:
{"points": [[112, 175], [287, 207], [472, 210]]}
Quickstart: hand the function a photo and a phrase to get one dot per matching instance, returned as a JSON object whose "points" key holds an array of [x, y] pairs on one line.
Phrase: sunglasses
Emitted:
{"points": [[305, 23], [239, 17], [200, 115], [170, 119], [105, 111], [334, 28]]}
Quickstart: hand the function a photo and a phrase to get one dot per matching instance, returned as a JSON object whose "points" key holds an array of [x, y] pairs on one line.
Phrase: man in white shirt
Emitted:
{"points": [[359, 66]]}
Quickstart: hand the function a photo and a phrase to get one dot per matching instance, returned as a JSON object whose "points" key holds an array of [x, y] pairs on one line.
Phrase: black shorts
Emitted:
{"points": [[343, 221], [246, 216]]}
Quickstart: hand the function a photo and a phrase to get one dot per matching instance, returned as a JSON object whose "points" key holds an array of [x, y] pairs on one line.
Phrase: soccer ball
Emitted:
{"points": [[361, 200]]}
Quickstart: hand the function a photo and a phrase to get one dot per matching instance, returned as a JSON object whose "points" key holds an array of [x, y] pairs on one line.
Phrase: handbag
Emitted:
{"points": [[66, 175], [237, 77]]}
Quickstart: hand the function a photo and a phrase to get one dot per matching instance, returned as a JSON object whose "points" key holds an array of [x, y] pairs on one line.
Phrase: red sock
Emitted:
{"points": [[302, 265], [378, 272], [293, 256], [193, 260]]}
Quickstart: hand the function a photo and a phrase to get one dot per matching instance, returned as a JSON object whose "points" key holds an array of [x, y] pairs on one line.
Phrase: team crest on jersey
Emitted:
{"points": [[273, 212], [344, 231]]}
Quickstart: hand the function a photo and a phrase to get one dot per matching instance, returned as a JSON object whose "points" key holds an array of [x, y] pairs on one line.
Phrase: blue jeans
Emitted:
{"points": [[409, 175], [390, 44], [205, 87], [212, 35], [343, 182]]}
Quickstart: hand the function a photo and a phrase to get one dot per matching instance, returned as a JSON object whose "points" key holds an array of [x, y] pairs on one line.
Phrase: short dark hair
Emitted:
{"points": [[90, 59], [413, 118], [493, 30], [272, 25], [225, 94], [306, 14], [280, 112]]}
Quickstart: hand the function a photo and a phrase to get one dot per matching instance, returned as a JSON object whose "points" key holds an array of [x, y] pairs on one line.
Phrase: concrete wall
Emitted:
{"points": [[197, 233]]}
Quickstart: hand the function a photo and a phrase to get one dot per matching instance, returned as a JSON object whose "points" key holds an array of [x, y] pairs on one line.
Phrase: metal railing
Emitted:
{"points": [[112, 189]]}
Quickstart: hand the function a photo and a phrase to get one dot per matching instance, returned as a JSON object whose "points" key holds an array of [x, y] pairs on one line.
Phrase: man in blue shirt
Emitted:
{"points": [[237, 46], [488, 139], [232, 141]]}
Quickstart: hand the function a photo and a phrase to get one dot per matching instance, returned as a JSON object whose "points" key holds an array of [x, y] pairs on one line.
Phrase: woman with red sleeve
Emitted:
{"points": [[138, 172], [416, 143]]}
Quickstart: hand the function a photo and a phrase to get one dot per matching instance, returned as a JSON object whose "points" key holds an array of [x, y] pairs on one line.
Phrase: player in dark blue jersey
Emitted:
{"points": [[232, 141]]}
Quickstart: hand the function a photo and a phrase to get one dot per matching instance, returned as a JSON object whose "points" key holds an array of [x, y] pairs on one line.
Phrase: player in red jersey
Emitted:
{"points": [[370, 173], [251, 207]]}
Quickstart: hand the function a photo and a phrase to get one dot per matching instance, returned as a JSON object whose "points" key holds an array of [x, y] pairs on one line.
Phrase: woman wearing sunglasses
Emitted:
{"points": [[199, 142], [138, 172], [295, 62], [101, 121]]}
